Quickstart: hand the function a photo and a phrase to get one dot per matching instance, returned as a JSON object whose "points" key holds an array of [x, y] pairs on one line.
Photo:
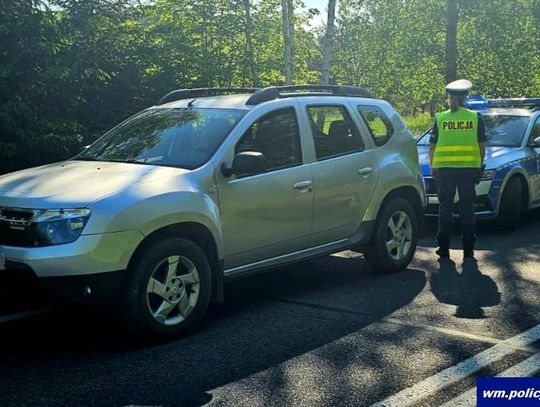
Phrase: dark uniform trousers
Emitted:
{"points": [[464, 180]]}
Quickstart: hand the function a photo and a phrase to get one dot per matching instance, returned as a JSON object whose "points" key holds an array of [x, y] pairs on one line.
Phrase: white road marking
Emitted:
{"points": [[453, 332], [22, 315], [526, 368], [388, 320], [460, 371]]}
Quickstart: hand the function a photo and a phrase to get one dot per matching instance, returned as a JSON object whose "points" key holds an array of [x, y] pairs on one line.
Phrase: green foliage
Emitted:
{"points": [[72, 69], [419, 124]]}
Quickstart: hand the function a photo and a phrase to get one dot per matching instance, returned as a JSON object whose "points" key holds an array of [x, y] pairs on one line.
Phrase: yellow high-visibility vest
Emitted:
{"points": [[457, 144]]}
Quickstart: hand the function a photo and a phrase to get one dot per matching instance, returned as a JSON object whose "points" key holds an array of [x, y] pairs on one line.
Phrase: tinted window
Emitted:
{"points": [[378, 123], [333, 131], [505, 131], [184, 138], [276, 136], [535, 133]]}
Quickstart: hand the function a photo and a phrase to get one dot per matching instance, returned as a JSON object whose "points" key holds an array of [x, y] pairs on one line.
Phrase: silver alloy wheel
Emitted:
{"points": [[399, 235], [173, 290]]}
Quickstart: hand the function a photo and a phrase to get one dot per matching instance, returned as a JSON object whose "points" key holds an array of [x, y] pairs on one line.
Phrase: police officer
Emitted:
{"points": [[457, 149]]}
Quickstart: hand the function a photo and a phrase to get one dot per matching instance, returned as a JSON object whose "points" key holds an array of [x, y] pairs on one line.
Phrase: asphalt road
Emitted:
{"points": [[329, 332]]}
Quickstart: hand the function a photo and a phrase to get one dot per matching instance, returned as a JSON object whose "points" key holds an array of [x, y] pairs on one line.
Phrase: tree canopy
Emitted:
{"points": [[72, 69]]}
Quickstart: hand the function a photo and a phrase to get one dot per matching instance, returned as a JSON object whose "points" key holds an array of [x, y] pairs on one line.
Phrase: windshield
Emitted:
{"points": [[501, 130], [184, 138]]}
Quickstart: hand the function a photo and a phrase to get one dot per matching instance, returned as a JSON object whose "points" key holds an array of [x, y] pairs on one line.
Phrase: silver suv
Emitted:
{"points": [[212, 184]]}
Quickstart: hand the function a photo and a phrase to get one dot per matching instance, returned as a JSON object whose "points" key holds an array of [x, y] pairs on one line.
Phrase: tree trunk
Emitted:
{"points": [[290, 14], [451, 40], [287, 41], [250, 54], [204, 80], [328, 42]]}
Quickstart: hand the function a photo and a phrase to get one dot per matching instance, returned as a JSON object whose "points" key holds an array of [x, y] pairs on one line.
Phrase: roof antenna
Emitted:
{"points": [[190, 104]]}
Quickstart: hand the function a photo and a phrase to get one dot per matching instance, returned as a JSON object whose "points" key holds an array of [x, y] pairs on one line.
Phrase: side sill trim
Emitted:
{"points": [[360, 237]]}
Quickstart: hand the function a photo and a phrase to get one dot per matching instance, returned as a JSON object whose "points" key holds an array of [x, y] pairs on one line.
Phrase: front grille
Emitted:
{"points": [[16, 227]]}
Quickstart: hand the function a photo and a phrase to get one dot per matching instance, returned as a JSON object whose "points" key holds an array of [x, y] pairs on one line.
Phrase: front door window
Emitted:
{"points": [[277, 137]]}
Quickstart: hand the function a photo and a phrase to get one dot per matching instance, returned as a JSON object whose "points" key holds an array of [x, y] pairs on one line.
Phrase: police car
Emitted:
{"points": [[510, 182]]}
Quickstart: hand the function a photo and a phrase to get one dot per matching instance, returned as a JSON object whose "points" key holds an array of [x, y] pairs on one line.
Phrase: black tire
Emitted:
{"points": [[377, 254], [137, 306], [511, 203]]}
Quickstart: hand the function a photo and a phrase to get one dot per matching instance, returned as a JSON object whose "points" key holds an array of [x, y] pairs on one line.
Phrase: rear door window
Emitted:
{"points": [[333, 130], [379, 124]]}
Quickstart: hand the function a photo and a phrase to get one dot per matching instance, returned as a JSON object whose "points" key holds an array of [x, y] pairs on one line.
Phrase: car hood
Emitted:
{"points": [[494, 155], [74, 183]]}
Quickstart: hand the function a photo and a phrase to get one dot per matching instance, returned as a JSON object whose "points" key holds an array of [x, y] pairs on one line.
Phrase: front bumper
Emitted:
{"points": [[89, 254], [483, 204], [91, 269], [21, 282]]}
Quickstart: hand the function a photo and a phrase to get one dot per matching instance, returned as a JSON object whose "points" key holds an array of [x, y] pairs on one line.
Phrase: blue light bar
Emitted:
{"points": [[476, 102], [515, 102]]}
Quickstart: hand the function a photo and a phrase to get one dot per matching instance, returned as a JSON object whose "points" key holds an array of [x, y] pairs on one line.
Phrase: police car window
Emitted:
{"points": [[334, 132], [505, 130], [423, 140], [378, 123], [535, 133], [277, 137]]}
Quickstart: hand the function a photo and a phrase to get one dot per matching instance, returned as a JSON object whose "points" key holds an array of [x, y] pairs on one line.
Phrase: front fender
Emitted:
{"points": [[396, 173], [501, 178], [151, 207]]}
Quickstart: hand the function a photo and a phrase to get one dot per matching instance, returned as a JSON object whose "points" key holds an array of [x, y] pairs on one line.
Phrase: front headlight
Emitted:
{"points": [[58, 226], [487, 175]]}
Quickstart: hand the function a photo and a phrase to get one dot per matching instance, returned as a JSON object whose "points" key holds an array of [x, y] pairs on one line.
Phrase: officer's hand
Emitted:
{"points": [[480, 171], [434, 172]]}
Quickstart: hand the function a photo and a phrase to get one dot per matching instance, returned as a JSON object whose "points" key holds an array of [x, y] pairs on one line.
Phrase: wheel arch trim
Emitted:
{"points": [[199, 234], [410, 194], [513, 172]]}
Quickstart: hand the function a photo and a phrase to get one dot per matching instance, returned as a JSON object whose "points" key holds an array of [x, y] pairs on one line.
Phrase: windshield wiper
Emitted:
{"points": [[84, 159], [129, 161]]}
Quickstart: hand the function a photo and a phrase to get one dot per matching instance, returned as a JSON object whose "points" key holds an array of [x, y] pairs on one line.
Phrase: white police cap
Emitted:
{"points": [[459, 87]]}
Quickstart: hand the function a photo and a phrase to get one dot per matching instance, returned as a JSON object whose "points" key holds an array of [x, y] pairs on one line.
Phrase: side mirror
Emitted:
{"points": [[246, 162], [535, 143]]}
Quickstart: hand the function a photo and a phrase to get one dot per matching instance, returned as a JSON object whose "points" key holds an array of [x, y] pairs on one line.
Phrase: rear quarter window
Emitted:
{"points": [[378, 123]]}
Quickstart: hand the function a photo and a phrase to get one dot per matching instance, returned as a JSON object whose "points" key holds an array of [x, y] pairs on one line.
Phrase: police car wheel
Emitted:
{"points": [[395, 237], [510, 209]]}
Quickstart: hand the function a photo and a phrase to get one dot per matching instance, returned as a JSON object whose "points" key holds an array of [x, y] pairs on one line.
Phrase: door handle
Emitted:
{"points": [[365, 171], [302, 184]]}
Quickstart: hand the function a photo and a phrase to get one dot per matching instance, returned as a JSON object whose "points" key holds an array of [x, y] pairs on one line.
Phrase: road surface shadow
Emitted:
{"points": [[489, 235], [469, 290], [76, 354]]}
